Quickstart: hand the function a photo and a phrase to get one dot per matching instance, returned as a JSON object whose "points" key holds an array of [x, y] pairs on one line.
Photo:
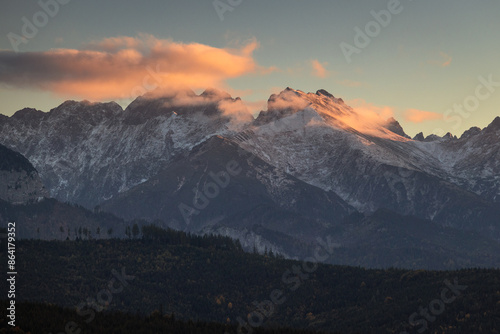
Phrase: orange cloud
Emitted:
{"points": [[238, 112], [369, 119], [319, 69], [287, 99], [371, 113], [125, 67], [418, 116]]}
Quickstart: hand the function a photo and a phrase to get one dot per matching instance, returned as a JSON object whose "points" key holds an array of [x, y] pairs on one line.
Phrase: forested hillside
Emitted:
{"points": [[212, 279]]}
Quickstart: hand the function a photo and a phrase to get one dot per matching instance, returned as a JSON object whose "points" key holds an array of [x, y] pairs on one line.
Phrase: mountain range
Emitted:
{"points": [[309, 166]]}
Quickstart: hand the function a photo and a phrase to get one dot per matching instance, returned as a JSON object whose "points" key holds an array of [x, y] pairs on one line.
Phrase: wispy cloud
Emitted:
{"points": [[114, 67], [444, 60], [287, 99], [319, 69], [370, 119], [371, 113], [419, 116]]}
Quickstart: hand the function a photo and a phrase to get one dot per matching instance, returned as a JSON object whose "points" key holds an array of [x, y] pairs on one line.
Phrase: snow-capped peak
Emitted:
{"points": [[332, 111]]}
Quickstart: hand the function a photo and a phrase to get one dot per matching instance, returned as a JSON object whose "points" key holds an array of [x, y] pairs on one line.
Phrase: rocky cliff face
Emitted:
{"points": [[87, 152], [328, 144], [219, 184]]}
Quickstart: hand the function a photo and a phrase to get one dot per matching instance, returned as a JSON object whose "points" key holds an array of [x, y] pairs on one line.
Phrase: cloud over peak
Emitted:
{"points": [[319, 69]]}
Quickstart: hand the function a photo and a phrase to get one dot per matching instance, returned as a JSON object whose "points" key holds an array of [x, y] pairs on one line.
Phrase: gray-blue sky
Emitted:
{"points": [[428, 58]]}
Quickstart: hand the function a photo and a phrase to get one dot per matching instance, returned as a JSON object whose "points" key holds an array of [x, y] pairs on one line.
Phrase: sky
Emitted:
{"points": [[434, 65]]}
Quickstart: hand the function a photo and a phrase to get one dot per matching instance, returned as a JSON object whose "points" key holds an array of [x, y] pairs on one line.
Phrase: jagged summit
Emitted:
{"points": [[394, 126], [325, 93], [86, 106], [471, 133], [432, 137], [324, 108], [449, 136], [286, 103], [419, 137], [290, 89], [176, 102], [215, 94], [28, 113], [493, 126]]}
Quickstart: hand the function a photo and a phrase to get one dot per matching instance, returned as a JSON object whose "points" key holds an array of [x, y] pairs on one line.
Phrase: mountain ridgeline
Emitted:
{"points": [[309, 166]]}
